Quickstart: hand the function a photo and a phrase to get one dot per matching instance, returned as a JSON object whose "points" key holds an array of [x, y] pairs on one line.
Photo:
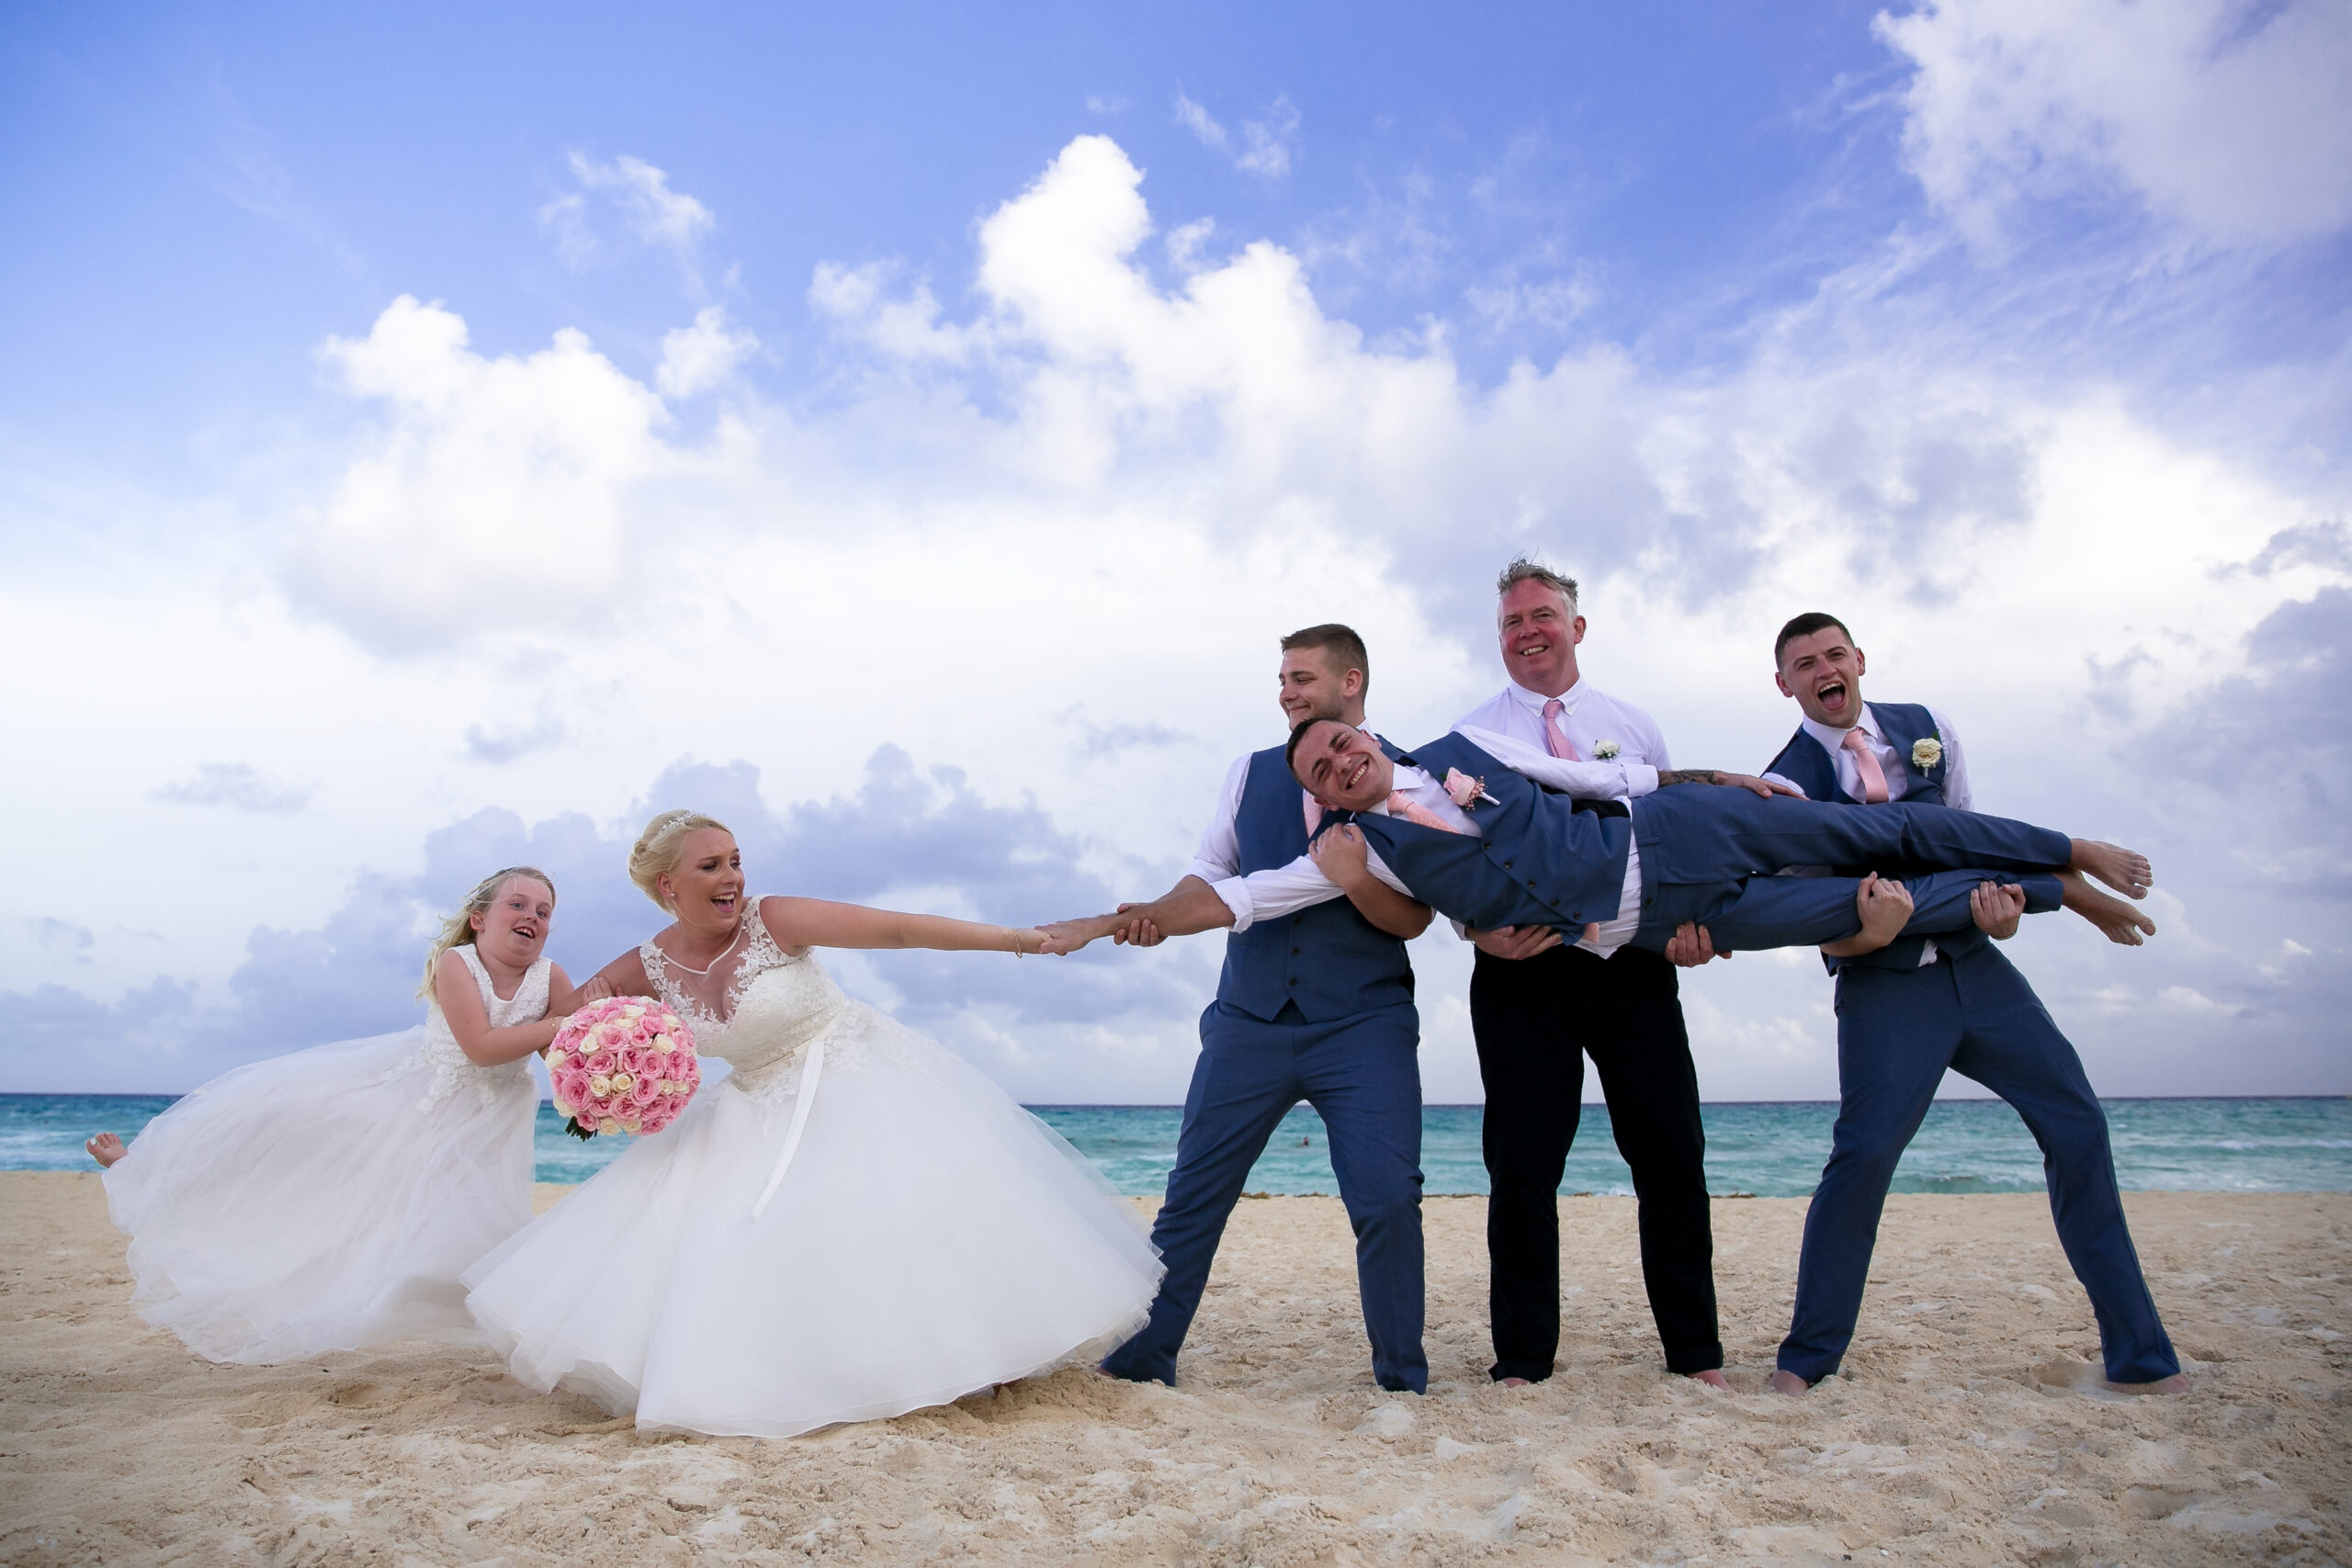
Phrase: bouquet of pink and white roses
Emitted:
{"points": [[624, 1064]]}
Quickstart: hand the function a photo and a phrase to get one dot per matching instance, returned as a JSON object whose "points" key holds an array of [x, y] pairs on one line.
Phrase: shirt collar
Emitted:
{"points": [[1535, 700], [1832, 740]]}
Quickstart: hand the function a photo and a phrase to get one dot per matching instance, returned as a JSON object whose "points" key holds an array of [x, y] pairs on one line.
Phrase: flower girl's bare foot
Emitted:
{"points": [[2127, 872], [105, 1149], [2121, 923]]}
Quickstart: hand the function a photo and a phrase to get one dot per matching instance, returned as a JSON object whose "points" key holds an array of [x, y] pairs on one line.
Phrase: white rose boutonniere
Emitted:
{"points": [[1605, 750], [1926, 752]]}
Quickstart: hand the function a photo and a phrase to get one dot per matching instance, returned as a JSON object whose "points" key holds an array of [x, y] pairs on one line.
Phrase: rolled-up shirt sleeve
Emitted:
{"points": [[1585, 781], [1287, 889]]}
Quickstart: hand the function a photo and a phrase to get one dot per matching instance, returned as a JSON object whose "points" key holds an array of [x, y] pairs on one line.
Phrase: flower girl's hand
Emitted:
{"points": [[1067, 936]]}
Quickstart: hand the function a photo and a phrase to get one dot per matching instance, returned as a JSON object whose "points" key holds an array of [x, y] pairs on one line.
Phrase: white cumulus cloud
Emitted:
{"points": [[2230, 117]]}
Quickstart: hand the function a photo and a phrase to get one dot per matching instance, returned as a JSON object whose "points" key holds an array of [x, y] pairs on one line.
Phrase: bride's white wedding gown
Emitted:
{"points": [[328, 1199], [927, 1239]]}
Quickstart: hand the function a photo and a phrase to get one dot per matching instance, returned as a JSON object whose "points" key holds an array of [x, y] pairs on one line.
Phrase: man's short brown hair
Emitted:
{"points": [[1340, 642], [1522, 570], [1812, 621]]}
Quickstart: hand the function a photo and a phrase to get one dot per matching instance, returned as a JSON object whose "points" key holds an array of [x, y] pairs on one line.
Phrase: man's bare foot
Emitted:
{"points": [[1712, 1377], [2117, 919], [105, 1149], [2177, 1384], [1514, 1382], [1788, 1383], [2128, 874]]}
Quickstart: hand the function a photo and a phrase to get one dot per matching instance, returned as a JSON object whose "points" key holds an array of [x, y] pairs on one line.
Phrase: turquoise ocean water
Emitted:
{"points": [[1772, 1150]]}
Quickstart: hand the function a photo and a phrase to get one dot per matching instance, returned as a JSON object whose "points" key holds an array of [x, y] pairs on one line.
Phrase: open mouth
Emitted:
{"points": [[1536, 649], [1352, 776], [1831, 695]]}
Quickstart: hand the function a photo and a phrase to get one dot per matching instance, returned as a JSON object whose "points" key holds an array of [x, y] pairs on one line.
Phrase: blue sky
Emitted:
{"points": [[435, 435]]}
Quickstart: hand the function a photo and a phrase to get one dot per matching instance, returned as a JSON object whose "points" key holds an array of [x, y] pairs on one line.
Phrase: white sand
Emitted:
{"points": [[1969, 1428]]}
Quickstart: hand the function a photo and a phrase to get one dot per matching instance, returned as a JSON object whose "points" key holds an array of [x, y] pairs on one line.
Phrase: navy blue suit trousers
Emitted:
{"points": [[1898, 1030], [1363, 1075]]}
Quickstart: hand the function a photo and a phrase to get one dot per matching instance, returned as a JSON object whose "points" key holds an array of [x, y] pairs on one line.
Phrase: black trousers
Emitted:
{"points": [[1535, 1020]]}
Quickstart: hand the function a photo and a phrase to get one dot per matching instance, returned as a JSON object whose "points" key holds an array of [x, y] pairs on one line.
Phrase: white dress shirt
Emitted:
{"points": [[1286, 889], [1898, 779], [1594, 721]]}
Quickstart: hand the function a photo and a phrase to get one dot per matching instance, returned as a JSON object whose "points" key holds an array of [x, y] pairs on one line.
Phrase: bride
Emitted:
{"points": [[855, 1224]]}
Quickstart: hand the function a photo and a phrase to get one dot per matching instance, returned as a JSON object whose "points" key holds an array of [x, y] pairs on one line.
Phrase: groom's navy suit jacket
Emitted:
{"points": [[1708, 852]]}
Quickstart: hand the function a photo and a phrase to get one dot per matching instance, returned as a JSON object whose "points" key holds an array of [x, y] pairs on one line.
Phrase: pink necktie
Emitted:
{"points": [[1313, 813], [1402, 804], [1866, 763], [1555, 740]]}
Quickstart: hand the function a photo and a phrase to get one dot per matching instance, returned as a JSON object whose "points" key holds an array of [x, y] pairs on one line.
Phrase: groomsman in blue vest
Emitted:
{"points": [[1315, 1006], [1539, 1006], [1909, 1010]]}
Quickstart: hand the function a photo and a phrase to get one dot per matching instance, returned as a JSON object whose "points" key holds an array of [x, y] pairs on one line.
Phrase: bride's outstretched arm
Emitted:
{"points": [[801, 923]]}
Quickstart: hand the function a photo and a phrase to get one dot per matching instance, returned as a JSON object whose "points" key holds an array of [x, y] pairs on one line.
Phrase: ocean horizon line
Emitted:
{"points": [[1178, 1105]]}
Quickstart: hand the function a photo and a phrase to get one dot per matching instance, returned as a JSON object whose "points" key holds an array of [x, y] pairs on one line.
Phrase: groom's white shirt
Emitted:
{"points": [[1286, 889]]}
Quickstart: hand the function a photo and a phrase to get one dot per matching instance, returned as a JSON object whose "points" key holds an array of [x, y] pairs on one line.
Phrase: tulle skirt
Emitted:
{"points": [[326, 1200], [930, 1238]]}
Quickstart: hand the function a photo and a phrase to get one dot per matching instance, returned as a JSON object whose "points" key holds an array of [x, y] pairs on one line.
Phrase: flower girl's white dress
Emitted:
{"points": [[922, 1237], [329, 1199]]}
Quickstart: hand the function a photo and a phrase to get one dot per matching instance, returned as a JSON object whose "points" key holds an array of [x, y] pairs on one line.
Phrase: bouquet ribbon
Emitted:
{"points": [[812, 1069]]}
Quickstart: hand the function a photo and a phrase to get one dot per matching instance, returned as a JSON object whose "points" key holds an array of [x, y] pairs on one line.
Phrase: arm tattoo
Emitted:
{"points": [[1689, 775]]}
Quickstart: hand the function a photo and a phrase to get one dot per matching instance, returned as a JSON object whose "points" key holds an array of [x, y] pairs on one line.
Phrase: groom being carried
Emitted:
{"points": [[1471, 825]]}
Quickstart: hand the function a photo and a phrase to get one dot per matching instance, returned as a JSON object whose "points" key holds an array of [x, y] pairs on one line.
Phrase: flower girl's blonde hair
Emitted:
{"points": [[657, 850], [458, 930]]}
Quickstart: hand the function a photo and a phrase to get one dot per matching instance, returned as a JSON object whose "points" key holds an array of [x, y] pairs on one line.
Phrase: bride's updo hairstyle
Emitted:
{"points": [[458, 930], [658, 849]]}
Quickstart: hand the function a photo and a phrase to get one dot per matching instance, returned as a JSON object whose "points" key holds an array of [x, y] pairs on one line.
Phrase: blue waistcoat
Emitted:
{"points": [[1327, 958], [1808, 763], [1535, 860]]}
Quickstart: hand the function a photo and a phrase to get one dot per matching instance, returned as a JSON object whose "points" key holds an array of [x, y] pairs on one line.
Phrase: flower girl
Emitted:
{"points": [[329, 1199]]}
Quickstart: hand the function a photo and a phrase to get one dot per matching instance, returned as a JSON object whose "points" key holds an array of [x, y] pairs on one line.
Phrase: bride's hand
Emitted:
{"points": [[597, 989]]}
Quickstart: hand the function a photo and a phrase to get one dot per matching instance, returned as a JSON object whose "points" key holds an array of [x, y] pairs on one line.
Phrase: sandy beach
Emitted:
{"points": [[1969, 1426]]}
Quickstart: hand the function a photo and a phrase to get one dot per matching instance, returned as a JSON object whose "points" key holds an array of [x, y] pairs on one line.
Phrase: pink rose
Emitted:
{"points": [[1462, 788]]}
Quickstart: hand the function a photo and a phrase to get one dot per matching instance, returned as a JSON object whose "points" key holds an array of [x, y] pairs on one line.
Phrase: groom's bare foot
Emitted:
{"points": [[2117, 919], [1514, 1382], [2127, 872], [1788, 1383], [1712, 1377], [105, 1149]]}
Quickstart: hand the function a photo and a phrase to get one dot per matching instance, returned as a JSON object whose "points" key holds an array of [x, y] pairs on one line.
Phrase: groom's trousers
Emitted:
{"points": [[1362, 1073], [1898, 1030], [1706, 851]]}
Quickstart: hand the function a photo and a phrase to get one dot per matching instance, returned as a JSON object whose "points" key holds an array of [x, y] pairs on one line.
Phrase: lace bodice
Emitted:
{"points": [[439, 1050], [756, 1008]]}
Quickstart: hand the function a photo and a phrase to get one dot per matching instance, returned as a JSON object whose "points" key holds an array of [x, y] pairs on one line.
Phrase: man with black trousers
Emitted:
{"points": [[1538, 1006]]}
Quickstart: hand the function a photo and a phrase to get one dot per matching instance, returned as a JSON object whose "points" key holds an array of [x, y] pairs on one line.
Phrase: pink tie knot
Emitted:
{"points": [[1866, 763], [1402, 804]]}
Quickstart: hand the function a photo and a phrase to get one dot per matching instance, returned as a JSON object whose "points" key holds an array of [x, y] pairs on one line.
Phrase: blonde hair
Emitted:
{"points": [[458, 930], [656, 851]]}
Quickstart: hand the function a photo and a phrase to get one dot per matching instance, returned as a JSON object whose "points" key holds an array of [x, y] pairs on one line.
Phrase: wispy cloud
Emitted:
{"points": [[655, 214], [238, 785], [1267, 141]]}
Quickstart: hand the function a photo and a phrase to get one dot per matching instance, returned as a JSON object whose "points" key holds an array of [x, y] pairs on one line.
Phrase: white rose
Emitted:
{"points": [[600, 1086], [1605, 750], [1925, 753]]}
